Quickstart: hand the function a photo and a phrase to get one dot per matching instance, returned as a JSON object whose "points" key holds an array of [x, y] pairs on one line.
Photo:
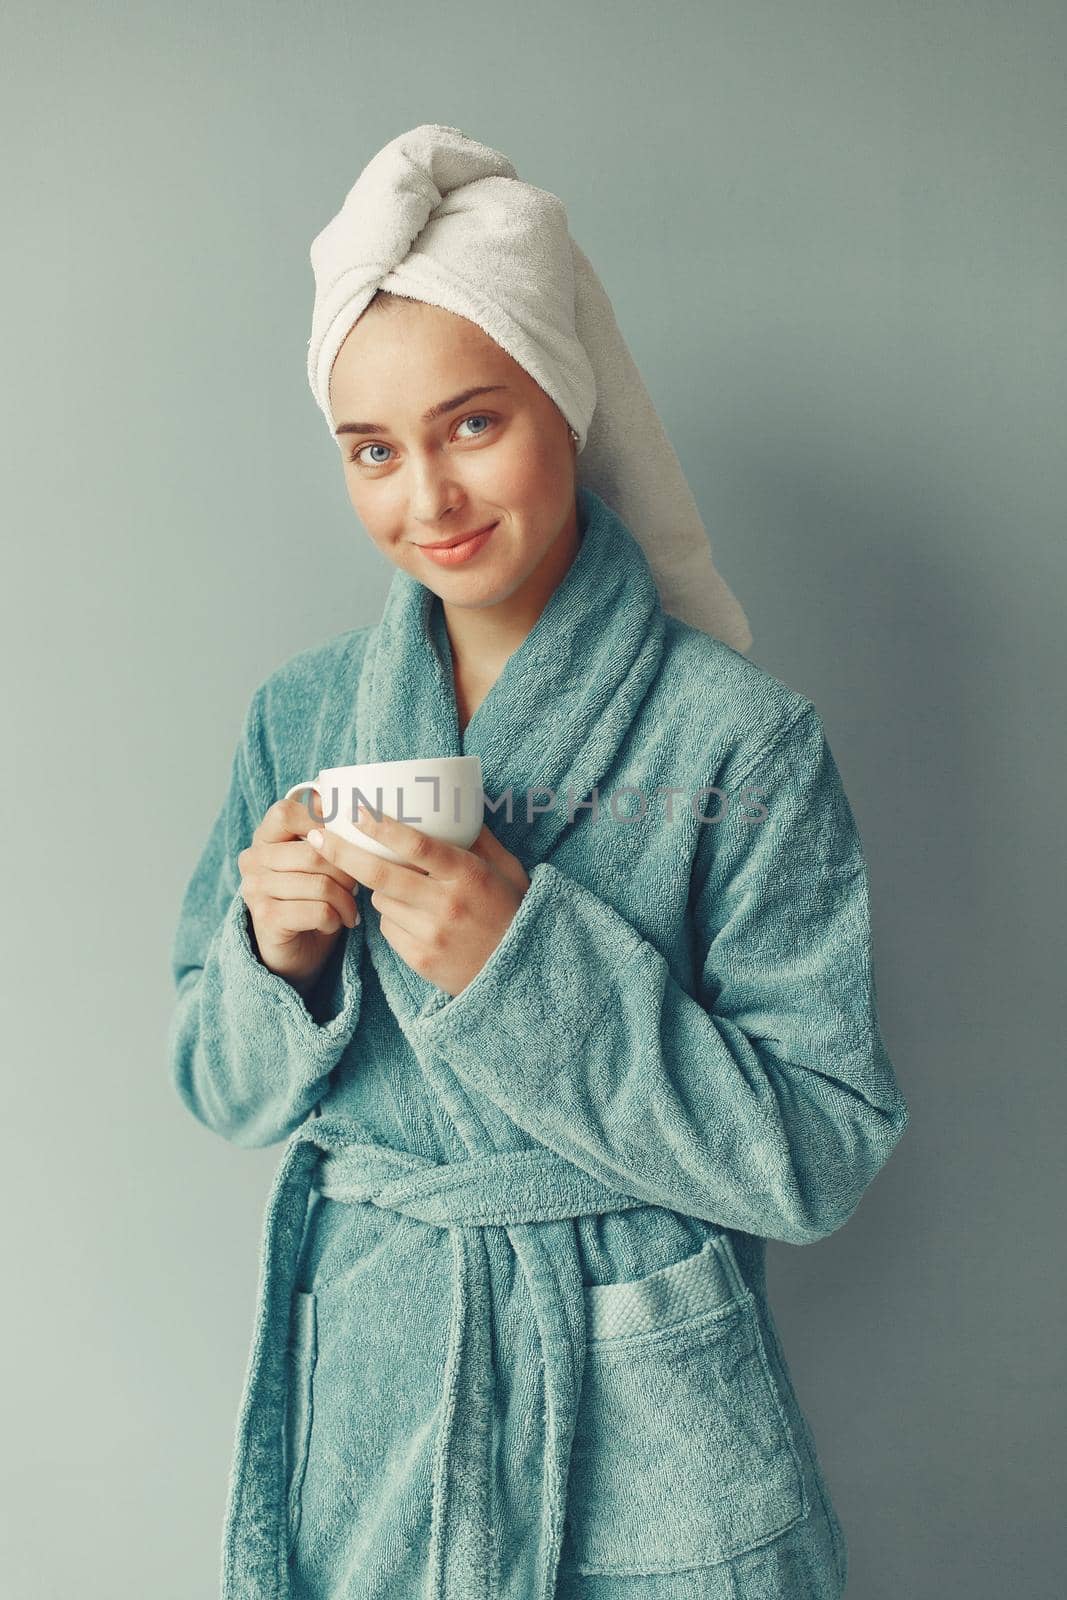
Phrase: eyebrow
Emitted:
{"points": [[442, 409]]}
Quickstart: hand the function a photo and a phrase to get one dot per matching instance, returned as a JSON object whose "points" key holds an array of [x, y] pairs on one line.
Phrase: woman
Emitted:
{"points": [[548, 1097]]}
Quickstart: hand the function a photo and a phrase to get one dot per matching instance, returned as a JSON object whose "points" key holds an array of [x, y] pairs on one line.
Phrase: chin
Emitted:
{"points": [[474, 596], [479, 590]]}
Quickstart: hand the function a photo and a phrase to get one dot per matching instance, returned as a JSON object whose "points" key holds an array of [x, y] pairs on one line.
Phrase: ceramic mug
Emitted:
{"points": [[440, 795]]}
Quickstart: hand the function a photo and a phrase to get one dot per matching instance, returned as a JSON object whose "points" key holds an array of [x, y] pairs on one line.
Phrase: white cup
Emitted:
{"points": [[439, 795]]}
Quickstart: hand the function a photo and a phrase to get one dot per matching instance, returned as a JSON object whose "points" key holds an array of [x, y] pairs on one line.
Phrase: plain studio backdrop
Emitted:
{"points": [[834, 237]]}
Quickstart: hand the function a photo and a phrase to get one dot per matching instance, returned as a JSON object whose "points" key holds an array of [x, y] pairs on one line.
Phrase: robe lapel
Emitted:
{"points": [[551, 724]]}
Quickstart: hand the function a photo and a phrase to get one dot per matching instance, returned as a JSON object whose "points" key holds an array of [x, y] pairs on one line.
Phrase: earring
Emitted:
{"points": [[574, 436]]}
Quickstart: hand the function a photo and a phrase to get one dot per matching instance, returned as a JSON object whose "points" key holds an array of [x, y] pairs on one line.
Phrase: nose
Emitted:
{"points": [[434, 492]]}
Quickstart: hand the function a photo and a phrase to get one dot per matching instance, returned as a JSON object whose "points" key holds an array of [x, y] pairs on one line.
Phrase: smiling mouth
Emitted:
{"points": [[460, 538]]}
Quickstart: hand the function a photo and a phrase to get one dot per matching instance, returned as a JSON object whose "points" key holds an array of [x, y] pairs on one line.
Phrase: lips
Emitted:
{"points": [[459, 538]]}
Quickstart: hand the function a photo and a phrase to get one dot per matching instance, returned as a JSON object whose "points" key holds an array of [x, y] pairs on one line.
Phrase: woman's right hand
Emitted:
{"points": [[297, 899]]}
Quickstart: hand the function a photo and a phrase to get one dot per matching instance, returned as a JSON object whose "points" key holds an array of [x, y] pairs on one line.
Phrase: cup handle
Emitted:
{"points": [[312, 783]]}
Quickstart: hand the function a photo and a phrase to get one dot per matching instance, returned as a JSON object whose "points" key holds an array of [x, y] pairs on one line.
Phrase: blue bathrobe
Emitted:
{"points": [[512, 1340]]}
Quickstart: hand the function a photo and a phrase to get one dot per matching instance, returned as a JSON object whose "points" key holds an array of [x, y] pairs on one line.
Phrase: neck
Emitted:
{"points": [[482, 639]]}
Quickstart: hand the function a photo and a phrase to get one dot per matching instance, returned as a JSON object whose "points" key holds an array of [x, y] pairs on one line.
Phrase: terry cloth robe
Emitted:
{"points": [[512, 1338]]}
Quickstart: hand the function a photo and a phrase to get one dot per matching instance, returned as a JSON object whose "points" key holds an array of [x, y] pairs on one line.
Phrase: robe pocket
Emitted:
{"points": [[683, 1454], [301, 1356]]}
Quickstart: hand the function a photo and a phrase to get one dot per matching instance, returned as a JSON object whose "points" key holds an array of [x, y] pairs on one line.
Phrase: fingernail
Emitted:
{"points": [[314, 838]]}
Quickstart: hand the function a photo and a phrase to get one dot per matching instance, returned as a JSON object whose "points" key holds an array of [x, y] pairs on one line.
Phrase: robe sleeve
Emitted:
{"points": [[249, 1056], [764, 1101]]}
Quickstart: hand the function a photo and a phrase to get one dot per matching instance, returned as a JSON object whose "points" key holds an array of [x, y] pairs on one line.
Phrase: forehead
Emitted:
{"points": [[416, 326], [413, 355]]}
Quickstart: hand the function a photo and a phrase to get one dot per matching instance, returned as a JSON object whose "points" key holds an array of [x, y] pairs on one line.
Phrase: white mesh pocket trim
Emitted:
{"points": [[684, 1289]]}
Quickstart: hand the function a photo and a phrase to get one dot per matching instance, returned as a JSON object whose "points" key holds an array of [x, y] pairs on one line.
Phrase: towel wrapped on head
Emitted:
{"points": [[438, 217]]}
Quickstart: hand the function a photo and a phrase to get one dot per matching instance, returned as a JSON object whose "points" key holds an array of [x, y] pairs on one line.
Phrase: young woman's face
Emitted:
{"points": [[505, 456]]}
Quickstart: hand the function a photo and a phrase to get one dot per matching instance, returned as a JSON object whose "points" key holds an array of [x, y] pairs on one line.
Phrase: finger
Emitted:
{"points": [[360, 864], [285, 819], [488, 848], [414, 848], [300, 886], [301, 916], [403, 883], [297, 855], [409, 918]]}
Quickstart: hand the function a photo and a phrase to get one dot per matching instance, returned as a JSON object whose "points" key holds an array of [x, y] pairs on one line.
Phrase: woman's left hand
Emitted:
{"points": [[444, 910]]}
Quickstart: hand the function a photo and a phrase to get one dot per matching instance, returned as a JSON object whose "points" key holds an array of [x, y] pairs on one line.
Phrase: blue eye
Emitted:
{"points": [[359, 452], [476, 416], [479, 416]]}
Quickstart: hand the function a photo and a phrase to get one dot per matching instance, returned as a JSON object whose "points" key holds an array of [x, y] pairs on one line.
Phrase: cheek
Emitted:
{"points": [[373, 511], [379, 529], [522, 474]]}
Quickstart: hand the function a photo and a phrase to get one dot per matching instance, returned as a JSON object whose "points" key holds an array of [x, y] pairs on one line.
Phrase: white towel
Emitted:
{"points": [[438, 217]]}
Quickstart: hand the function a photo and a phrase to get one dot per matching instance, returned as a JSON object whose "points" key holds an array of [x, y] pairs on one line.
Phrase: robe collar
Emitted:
{"points": [[553, 720]]}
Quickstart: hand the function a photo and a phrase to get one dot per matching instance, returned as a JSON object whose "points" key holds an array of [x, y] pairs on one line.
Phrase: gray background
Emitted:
{"points": [[834, 237]]}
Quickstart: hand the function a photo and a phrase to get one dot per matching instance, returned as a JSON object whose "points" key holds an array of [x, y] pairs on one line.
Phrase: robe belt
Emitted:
{"points": [[504, 1189]]}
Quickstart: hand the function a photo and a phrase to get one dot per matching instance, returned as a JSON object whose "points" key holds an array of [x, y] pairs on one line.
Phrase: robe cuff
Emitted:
{"points": [[542, 990], [317, 1023]]}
